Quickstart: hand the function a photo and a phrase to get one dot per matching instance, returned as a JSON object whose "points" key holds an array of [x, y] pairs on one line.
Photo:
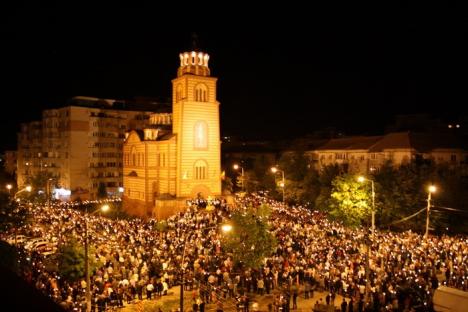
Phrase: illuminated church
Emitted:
{"points": [[177, 156]]}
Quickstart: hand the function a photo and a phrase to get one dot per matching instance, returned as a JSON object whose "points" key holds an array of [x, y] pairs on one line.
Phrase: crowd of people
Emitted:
{"points": [[137, 259]]}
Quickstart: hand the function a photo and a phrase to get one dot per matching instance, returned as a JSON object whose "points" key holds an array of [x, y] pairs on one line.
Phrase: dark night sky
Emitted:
{"points": [[276, 78]]}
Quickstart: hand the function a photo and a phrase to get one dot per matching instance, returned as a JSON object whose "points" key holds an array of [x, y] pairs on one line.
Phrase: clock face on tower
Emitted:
{"points": [[201, 135]]}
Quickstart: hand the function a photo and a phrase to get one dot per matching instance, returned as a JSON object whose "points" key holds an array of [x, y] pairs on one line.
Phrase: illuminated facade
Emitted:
{"points": [[79, 147], [164, 165], [365, 154]]}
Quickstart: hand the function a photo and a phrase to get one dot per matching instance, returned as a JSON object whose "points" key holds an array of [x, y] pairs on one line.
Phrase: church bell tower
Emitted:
{"points": [[196, 125]]}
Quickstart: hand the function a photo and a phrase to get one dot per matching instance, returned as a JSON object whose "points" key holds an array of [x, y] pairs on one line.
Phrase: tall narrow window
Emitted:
{"points": [[201, 171], [178, 93], [133, 156], [201, 93], [201, 135]]}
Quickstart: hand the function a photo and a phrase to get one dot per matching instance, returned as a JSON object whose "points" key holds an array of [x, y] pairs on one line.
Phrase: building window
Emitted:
{"points": [[200, 170], [340, 156], [178, 93], [201, 93], [133, 156], [201, 135], [453, 158]]}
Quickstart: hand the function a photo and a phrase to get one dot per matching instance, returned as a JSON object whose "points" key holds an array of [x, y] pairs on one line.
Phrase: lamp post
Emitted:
{"points": [[49, 191], [431, 189], [103, 208], [9, 187], [236, 167], [282, 184], [225, 228], [27, 189], [363, 179]]}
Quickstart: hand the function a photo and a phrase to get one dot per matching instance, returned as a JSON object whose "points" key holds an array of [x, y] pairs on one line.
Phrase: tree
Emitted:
{"points": [[41, 187], [350, 200], [72, 261], [227, 185], [250, 240], [102, 190], [325, 179], [11, 215]]}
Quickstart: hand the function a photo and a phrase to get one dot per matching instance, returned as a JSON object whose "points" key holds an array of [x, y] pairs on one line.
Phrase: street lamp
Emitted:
{"points": [[9, 187], [282, 184], [103, 208], [225, 228], [236, 167], [27, 189], [362, 179], [431, 189]]}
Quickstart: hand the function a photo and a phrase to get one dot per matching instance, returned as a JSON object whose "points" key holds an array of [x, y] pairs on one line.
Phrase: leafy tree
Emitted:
{"points": [[72, 260], [161, 226], [350, 201], [250, 240], [11, 215], [102, 190], [227, 185], [325, 179], [42, 183], [294, 165], [263, 211]]}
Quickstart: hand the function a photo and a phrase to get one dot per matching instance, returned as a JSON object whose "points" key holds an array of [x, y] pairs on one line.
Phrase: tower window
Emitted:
{"points": [[200, 170], [201, 93], [178, 93], [201, 135]]}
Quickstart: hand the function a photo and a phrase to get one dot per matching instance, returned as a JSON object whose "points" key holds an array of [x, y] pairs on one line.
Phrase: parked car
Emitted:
{"points": [[33, 242], [47, 250], [19, 239]]}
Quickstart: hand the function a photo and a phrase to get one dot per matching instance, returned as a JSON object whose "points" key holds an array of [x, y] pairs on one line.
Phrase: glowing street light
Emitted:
{"points": [[236, 167], [282, 184], [103, 208], [225, 228], [28, 188], [431, 189], [9, 187], [362, 179]]}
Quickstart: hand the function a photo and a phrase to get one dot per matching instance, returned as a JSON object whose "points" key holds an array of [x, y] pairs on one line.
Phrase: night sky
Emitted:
{"points": [[276, 78]]}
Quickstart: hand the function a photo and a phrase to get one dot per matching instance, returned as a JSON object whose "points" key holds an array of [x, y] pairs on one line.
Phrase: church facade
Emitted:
{"points": [[178, 156]]}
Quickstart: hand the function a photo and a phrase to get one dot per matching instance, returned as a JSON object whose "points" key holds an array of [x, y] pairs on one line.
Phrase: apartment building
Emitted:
{"points": [[79, 146], [362, 154]]}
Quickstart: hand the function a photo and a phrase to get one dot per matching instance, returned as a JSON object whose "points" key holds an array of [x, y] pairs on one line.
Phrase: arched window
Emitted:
{"points": [[201, 170], [178, 93], [201, 93], [200, 135], [133, 156]]}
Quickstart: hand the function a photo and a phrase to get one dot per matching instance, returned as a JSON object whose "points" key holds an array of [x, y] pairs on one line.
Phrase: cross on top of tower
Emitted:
{"points": [[195, 43], [194, 62]]}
